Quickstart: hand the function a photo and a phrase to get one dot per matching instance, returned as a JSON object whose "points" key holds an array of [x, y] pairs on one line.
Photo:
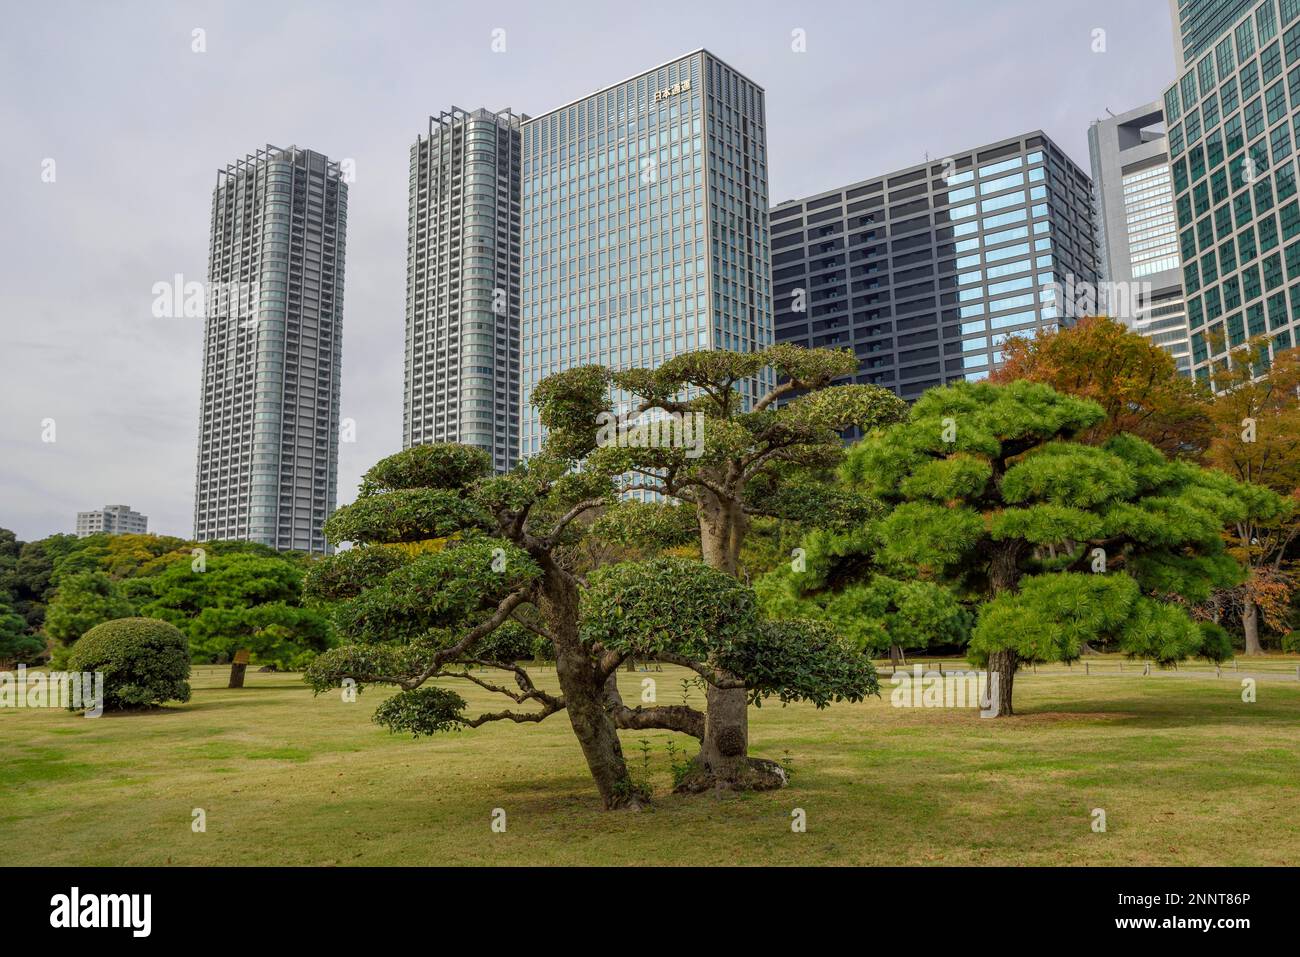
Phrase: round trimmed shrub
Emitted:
{"points": [[1291, 642], [145, 661]]}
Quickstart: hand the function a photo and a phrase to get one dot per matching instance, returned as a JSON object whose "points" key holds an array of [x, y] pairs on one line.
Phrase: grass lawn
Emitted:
{"points": [[1185, 771]]}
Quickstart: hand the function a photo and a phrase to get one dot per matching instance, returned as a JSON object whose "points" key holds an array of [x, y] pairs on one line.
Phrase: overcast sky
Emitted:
{"points": [[137, 124]]}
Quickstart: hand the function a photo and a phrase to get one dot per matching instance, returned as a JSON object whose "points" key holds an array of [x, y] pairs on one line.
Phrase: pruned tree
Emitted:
{"points": [[688, 435], [684, 612], [513, 558], [1054, 542]]}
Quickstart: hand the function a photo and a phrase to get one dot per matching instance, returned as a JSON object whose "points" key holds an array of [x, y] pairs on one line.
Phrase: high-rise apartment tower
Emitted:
{"points": [[272, 349]]}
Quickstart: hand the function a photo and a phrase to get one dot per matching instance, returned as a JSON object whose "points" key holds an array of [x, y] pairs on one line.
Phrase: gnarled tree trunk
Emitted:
{"points": [[724, 760], [584, 691]]}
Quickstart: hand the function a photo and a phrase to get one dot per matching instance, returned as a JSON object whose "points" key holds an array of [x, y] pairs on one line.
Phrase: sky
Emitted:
{"points": [[112, 128]]}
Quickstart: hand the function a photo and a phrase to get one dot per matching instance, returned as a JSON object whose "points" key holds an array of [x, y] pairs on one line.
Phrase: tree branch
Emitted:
{"points": [[674, 717]]}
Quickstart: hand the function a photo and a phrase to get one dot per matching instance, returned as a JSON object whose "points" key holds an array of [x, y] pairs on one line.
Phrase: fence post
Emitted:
{"points": [[1086, 670]]}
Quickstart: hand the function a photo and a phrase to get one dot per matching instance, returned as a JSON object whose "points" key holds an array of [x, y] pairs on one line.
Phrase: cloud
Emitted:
{"points": [[138, 124]]}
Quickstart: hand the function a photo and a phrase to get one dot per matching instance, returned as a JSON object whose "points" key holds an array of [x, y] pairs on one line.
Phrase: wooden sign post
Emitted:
{"points": [[237, 668]]}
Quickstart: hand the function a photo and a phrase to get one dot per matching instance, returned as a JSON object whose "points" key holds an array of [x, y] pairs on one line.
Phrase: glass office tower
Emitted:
{"points": [[1234, 119], [272, 351], [462, 285], [644, 226], [926, 271], [1137, 228], [1198, 23]]}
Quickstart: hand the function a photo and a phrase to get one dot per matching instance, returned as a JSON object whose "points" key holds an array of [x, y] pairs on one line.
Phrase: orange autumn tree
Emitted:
{"points": [[1256, 438], [1134, 381]]}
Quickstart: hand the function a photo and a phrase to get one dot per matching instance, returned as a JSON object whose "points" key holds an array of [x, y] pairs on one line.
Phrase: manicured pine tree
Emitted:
{"points": [[414, 615], [1054, 542], [760, 458]]}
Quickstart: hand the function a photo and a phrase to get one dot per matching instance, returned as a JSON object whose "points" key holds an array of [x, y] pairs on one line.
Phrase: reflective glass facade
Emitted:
{"points": [[1234, 118], [926, 271], [1198, 23], [644, 226], [1137, 227]]}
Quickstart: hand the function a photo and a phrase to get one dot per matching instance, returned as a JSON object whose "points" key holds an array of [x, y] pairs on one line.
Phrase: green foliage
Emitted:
{"points": [[807, 499], [772, 458], [872, 615], [843, 407], [568, 403], [926, 536], [440, 465], [799, 660], [634, 524], [1291, 642], [1053, 615], [1216, 643], [405, 515], [1053, 542], [422, 711], [346, 574], [367, 664], [244, 599], [275, 633], [666, 606], [510, 643], [100, 578], [436, 595], [145, 662], [674, 606], [16, 645], [84, 600]]}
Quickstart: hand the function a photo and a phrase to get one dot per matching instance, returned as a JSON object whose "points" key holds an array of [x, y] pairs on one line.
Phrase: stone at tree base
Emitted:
{"points": [[757, 774]]}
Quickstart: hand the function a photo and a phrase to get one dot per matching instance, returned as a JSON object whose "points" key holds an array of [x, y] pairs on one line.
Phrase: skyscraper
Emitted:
{"points": [[924, 272], [1234, 117], [462, 285], [1137, 229], [645, 225], [1198, 23], [269, 427]]}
